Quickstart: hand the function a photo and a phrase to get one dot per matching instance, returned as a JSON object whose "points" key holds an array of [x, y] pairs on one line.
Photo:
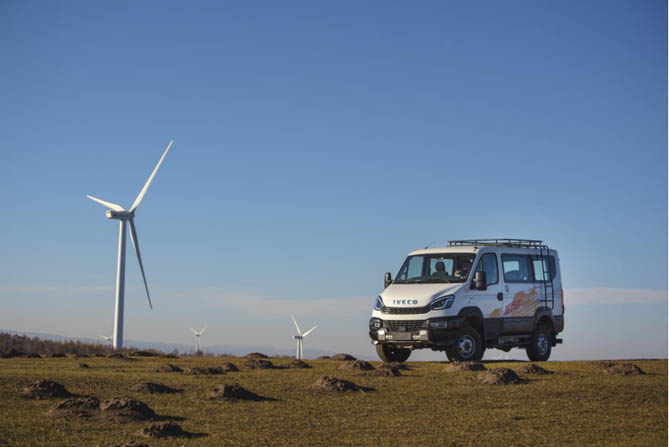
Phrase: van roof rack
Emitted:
{"points": [[515, 243]]}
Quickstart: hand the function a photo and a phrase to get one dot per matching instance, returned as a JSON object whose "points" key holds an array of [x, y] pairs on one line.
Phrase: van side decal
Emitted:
{"points": [[523, 304]]}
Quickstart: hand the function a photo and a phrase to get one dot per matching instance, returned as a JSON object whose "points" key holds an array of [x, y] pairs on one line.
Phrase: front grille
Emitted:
{"points": [[405, 310], [404, 325]]}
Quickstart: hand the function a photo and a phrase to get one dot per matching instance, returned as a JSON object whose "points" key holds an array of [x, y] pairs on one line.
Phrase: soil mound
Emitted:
{"points": [[164, 430], [82, 407], [323, 357], [534, 369], [256, 355], [33, 355], [499, 376], [12, 353], [345, 357], [359, 365], [464, 366], [119, 356], [387, 371], [133, 443], [333, 384], [398, 365], [58, 355], [297, 364], [258, 364], [169, 368], [154, 388], [169, 356], [205, 371], [625, 369], [45, 389], [229, 367], [81, 356], [145, 354], [83, 365], [126, 409], [234, 392]]}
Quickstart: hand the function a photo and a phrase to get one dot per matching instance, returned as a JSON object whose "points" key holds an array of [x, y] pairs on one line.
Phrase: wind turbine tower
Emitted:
{"points": [[126, 217], [198, 346], [299, 338]]}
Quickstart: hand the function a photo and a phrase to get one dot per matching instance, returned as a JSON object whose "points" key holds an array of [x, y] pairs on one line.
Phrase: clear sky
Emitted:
{"points": [[316, 144]]}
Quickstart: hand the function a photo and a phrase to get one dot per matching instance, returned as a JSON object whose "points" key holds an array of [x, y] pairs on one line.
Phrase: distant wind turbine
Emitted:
{"points": [[198, 346], [117, 212], [299, 337], [107, 339]]}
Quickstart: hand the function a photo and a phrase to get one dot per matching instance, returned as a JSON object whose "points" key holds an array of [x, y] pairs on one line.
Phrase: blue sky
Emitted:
{"points": [[315, 146]]}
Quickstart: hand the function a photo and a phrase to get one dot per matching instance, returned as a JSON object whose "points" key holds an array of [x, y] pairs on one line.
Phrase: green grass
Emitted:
{"points": [[578, 405]]}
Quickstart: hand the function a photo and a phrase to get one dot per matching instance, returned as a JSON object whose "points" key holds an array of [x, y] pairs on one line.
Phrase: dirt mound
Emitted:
{"points": [[12, 353], [126, 409], [169, 368], [169, 356], [464, 366], [58, 355], [258, 364], [81, 356], [625, 369], [145, 354], [33, 355], [82, 407], [234, 392], [133, 443], [297, 364], [256, 355], [499, 376], [99, 354], [229, 367], [333, 384], [163, 430], [82, 365], [119, 356], [154, 388], [387, 371], [323, 357], [205, 371], [398, 365], [534, 369], [345, 357], [45, 389], [358, 365]]}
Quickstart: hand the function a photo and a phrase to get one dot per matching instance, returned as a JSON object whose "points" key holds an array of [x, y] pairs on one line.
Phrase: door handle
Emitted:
{"points": [[500, 296]]}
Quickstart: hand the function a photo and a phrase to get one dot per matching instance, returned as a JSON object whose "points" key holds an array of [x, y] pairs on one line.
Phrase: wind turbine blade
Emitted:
{"points": [[202, 330], [135, 244], [296, 325], [194, 331], [148, 182], [111, 206], [309, 331]]}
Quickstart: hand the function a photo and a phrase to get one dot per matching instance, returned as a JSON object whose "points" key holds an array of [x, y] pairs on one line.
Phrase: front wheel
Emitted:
{"points": [[389, 354], [468, 346], [539, 348]]}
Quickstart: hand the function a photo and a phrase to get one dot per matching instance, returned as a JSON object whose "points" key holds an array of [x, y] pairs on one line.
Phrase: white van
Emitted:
{"points": [[512, 297]]}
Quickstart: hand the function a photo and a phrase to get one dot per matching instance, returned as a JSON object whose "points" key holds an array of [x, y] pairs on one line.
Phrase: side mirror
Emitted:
{"points": [[480, 281], [387, 279]]}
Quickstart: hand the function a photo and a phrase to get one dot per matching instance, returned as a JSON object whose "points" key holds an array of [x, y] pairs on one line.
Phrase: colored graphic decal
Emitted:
{"points": [[496, 313], [523, 304]]}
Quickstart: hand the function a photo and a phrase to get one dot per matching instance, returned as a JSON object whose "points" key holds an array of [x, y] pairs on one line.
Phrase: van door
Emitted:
{"points": [[522, 296], [489, 300]]}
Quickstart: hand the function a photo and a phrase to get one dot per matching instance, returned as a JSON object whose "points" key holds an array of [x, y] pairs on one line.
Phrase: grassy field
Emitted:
{"points": [[578, 405]]}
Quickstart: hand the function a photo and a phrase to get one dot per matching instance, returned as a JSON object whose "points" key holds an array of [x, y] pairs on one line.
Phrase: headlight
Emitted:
{"points": [[374, 323], [443, 302], [379, 303]]}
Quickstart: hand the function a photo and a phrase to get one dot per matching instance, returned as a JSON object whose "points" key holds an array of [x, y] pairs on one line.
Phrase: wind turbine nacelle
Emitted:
{"points": [[297, 337], [122, 215]]}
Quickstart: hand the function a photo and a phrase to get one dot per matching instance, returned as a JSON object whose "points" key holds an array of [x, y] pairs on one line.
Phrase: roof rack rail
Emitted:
{"points": [[515, 243]]}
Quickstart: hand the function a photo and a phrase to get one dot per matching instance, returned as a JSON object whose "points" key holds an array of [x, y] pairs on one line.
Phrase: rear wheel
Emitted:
{"points": [[468, 346], [389, 354], [539, 349]]}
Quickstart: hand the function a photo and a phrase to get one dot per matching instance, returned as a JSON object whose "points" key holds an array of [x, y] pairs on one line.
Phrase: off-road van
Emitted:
{"points": [[469, 296]]}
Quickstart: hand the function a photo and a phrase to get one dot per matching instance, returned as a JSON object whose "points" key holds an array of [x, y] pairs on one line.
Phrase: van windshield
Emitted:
{"points": [[435, 268]]}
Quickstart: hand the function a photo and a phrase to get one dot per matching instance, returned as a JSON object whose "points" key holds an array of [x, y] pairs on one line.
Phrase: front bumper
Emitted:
{"points": [[434, 332]]}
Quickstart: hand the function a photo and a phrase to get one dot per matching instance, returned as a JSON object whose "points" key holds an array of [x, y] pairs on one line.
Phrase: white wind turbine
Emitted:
{"points": [[198, 346], [124, 217], [299, 337]]}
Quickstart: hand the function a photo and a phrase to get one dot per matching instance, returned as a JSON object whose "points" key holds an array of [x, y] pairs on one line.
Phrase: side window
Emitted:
{"points": [[516, 268], [413, 268], [540, 267], [488, 264]]}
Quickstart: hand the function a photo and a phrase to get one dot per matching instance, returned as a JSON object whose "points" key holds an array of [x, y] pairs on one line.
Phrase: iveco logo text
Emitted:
{"points": [[405, 301]]}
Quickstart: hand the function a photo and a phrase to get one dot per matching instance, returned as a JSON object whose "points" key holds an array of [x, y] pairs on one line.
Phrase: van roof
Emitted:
{"points": [[475, 249], [426, 251]]}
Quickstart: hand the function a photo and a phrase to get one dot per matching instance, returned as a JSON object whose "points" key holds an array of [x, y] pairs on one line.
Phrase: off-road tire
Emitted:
{"points": [[539, 349], [468, 346], [389, 354]]}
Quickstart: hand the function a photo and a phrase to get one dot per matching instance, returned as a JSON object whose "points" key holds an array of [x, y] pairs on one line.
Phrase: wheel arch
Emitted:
{"points": [[474, 317]]}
